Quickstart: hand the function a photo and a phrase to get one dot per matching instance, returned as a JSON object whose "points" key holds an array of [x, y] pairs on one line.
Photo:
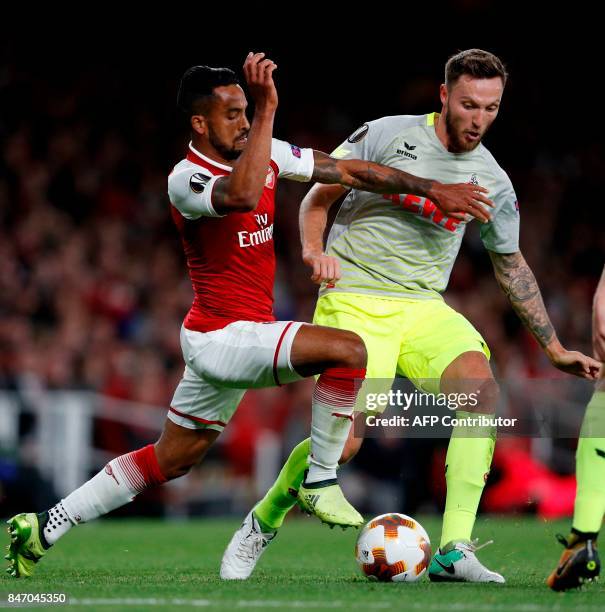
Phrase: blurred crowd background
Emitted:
{"points": [[93, 285]]}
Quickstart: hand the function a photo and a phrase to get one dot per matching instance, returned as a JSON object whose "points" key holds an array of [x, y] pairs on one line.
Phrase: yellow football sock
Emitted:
{"points": [[467, 464], [590, 468], [281, 497]]}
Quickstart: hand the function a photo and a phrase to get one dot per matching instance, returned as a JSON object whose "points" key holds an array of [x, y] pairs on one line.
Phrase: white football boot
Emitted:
{"points": [[245, 549], [460, 564]]}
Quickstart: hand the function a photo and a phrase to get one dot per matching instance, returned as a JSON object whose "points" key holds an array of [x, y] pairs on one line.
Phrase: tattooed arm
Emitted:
{"points": [[519, 284], [454, 200]]}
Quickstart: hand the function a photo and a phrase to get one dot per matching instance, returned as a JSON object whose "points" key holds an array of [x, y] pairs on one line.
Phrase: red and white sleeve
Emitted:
{"points": [[190, 191]]}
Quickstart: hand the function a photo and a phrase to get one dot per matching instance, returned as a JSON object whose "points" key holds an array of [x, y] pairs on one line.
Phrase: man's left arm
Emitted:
{"points": [[521, 288]]}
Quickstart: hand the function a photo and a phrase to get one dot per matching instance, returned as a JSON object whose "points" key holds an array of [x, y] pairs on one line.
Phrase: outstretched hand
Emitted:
{"points": [[576, 363], [462, 199]]}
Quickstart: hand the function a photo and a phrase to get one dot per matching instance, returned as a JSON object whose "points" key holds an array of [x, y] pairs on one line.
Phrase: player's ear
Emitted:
{"points": [[443, 93], [199, 124]]}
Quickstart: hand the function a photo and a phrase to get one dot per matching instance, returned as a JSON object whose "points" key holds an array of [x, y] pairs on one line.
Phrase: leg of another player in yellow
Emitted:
{"points": [[590, 467], [580, 560], [281, 497]]}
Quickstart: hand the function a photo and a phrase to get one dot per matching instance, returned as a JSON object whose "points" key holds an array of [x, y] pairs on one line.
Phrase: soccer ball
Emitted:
{"points": [[393, 548]]}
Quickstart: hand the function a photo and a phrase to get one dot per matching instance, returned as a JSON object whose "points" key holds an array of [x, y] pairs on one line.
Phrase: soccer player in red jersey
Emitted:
{"points": [[222, 196]]}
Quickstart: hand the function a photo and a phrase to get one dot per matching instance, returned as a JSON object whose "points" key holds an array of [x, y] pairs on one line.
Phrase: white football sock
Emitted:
{"points": [[333, 402], [105, 492], [117, 484], [58, 524]]}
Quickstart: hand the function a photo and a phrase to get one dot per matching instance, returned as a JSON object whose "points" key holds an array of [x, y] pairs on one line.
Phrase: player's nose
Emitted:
{"points": [[478, 118]]}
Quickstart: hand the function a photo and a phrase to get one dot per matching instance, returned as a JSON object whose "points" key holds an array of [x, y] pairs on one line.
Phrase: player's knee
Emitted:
{"points": [[488, 395], [350, 351], [179, 462], [177, 472], [180, 466]]}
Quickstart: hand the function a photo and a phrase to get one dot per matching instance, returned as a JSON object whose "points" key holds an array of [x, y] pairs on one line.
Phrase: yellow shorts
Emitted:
{"points": [[414, 338]]}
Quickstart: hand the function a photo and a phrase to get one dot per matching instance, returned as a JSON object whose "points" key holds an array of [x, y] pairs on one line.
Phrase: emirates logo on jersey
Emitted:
{"points": [[265, 234], [270, 180], [251, 239], [262, 219]]}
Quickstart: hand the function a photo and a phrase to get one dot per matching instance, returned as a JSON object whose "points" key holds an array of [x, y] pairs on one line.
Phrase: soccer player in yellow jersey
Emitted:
{"points": [[387, 261]]}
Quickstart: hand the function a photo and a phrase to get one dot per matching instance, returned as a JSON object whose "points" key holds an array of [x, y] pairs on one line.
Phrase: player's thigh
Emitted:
{"points": [[366, 317], [242, 355], [378, 323], [198, 404], [438, 337], [316, 348]]}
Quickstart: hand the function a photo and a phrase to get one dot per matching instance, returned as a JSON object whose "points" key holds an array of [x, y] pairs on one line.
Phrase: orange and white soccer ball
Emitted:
{"points": [[393, 548]]}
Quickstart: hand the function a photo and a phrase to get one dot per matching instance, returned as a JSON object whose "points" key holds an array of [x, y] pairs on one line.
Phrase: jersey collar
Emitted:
{"points": [[430, 119], [208, 160]]}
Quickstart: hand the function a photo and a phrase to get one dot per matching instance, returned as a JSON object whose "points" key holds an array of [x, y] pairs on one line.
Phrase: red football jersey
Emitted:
{"points": [[231, 258]]}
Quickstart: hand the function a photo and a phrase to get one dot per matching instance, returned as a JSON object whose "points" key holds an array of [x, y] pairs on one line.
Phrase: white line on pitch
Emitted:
{"points": [[298, 604]]}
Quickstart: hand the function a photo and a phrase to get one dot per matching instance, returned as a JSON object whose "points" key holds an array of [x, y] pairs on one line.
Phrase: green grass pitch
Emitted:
{"points": [[156, 565]]}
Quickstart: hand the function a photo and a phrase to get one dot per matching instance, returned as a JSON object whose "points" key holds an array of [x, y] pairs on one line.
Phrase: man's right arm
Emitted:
{"points": [[313, 219]]}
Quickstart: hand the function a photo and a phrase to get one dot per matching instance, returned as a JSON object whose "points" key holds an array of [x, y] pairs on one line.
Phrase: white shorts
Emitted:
{"points": [[220, 365]]}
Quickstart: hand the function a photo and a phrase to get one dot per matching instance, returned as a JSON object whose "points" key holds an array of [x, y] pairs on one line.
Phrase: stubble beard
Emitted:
{"points": [[457, 144], [228, 153]]}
